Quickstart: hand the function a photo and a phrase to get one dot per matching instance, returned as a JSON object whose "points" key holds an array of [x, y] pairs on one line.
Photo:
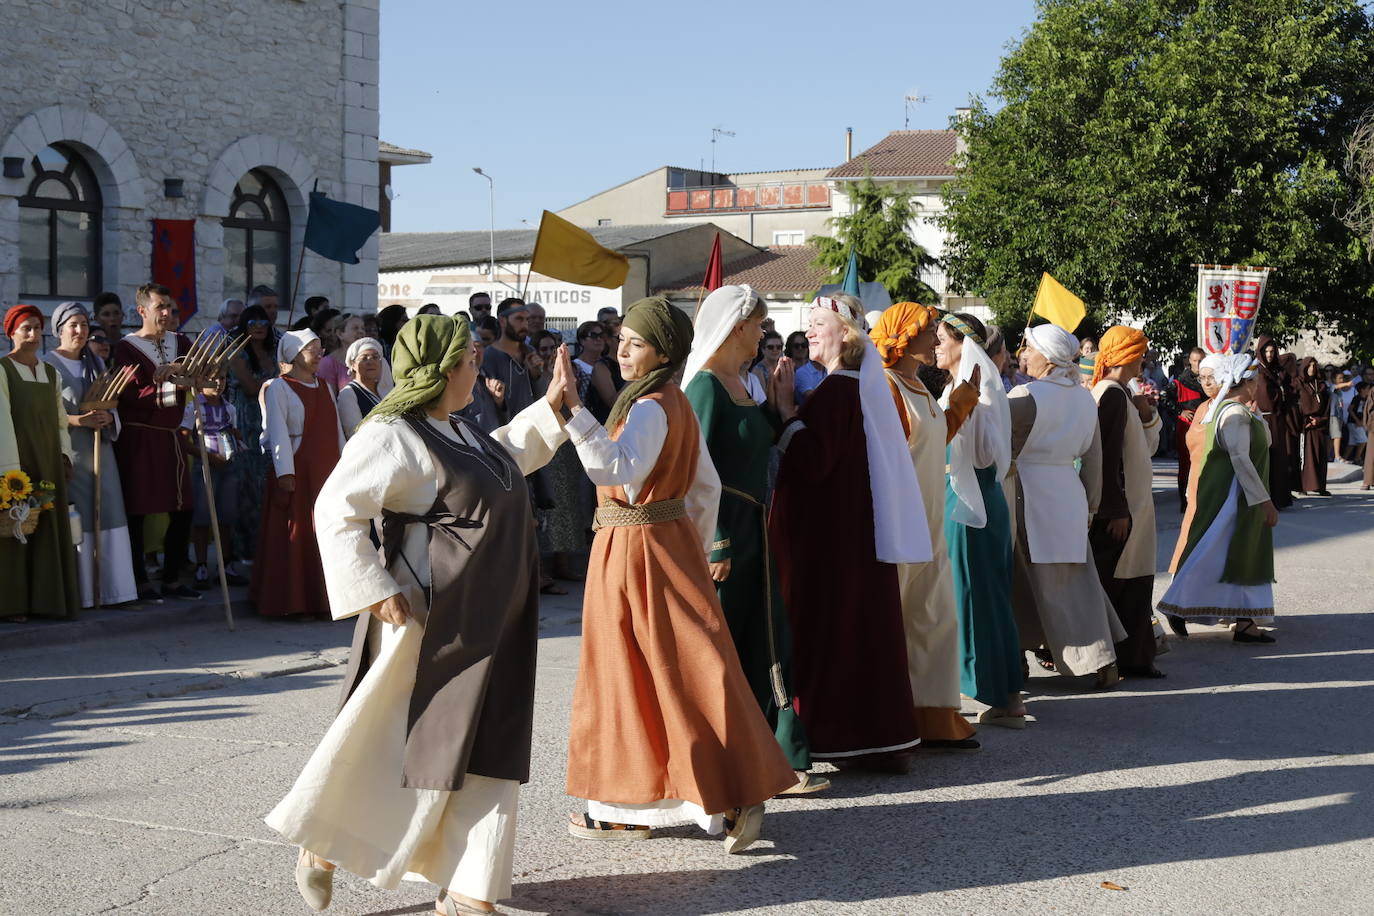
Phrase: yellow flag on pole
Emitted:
{"points": [[1056, 303], [565, 252]]}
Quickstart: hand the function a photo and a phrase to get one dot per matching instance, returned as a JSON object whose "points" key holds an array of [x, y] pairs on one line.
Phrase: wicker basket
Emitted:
{"points": [[28, 526]]}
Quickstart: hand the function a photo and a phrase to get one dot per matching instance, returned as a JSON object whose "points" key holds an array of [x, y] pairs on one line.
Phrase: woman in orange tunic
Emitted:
{"points": [[665, 729]]}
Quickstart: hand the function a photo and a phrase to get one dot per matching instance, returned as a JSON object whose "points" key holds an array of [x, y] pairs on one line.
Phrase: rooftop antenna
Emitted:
{"points": [[915, 98], [717, 132]]}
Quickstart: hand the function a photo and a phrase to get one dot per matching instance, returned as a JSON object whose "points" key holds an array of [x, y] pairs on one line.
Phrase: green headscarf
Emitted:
{"points": [[426, 349], [669, 330]]}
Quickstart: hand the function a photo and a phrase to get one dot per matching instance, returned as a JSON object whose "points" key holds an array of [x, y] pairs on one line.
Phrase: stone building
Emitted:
{"points": [[226, 113]]}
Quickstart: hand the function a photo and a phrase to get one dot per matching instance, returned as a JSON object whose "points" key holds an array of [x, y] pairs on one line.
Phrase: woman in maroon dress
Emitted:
{"points": [[302, 436], [1273, 399]]}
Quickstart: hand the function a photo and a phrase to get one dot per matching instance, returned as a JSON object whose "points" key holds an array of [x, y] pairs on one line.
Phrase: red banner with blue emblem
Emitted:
{"points": [[174, 261]]}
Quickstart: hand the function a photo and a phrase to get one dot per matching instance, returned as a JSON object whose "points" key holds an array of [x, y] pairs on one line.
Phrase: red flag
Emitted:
{"points": [[174, 261], [713, 279]]}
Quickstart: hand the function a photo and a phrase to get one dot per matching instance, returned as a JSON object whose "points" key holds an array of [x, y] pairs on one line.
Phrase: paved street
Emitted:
{"points": [[137, 767]]}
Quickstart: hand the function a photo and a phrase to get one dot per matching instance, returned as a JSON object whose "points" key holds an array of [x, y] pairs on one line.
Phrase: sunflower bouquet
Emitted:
{"points": [[22, 502]]}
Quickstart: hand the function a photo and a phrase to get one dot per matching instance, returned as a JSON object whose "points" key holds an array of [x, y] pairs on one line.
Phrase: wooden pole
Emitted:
{"points": [[214, 514], [96, 573], [295, 288]]}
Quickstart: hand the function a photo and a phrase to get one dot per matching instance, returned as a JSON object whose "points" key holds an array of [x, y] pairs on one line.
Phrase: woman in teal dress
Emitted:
{"points": [[978, 527], [739, 436]]}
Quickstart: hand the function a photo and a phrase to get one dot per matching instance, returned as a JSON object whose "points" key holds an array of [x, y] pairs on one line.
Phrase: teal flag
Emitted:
{"points": [[851, 276], [337, 230]]}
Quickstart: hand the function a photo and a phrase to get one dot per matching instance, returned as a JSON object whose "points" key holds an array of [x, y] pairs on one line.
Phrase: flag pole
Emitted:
{"points": [[96, 577], [296, 280], [214, 513]]}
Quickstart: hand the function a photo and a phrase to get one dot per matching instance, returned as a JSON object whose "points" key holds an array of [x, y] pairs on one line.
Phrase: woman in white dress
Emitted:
{"points": [[1057, 597], [418, 777], [369, 381]]}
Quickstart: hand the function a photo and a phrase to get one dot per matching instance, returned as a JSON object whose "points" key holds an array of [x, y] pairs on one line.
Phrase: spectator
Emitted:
{"points": [[326, 324], [1087, 347], [315, 304], [505, 358], [1188, 397], [610, 321], [809, 373], [249, 371], [100, 344], [770, 351], [221, 447], [390, 320], [78, 368], [600, 388], [348, 329], [488, 329], [536, 319], [38, 573], [479, 306], [371, 328], [369, 382], [430, 308], [227, 322], [152, 457], [266, 297], [109, 315], [302, 437], [488, 395]]}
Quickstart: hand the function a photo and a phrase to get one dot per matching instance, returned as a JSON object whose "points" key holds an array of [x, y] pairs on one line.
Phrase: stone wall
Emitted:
{"points": [[203, 91]]}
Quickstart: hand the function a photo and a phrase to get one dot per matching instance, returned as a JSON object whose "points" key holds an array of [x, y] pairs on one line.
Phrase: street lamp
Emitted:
{"points": [[491, 198]]}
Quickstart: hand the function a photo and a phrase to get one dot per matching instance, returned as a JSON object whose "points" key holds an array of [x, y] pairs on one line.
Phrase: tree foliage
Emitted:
{"points": [[1137, 137], [878, 230]]}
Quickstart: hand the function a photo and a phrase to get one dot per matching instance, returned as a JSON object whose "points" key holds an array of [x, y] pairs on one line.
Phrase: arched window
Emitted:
{"points": [[257, 237], [59, 227]]}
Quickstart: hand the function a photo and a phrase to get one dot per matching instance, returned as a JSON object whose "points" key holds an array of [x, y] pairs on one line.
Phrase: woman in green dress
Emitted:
{"points": [[39, 572], [739, 436], [978, 526]]}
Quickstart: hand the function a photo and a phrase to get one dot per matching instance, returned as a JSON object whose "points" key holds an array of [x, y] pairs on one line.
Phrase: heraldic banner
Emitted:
{"points": [[1228, 302], [174, 261]]}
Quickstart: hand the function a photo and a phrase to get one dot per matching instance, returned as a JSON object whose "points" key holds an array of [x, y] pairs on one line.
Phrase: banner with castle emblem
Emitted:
{"points": [[1228, 303]]}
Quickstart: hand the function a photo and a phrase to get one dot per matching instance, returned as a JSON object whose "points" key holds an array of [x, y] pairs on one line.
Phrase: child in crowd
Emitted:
{"points": [[221, 443]]}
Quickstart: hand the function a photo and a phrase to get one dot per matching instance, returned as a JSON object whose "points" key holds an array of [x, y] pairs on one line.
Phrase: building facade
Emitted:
{"points": [[223, 113]]}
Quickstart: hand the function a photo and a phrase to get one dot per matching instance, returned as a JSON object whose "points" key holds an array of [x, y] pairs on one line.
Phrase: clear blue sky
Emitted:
{"points": [[559, 101]]}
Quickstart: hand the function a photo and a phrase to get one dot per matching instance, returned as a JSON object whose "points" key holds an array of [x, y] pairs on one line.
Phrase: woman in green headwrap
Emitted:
{"points": [[665, 728], [420, 771]]}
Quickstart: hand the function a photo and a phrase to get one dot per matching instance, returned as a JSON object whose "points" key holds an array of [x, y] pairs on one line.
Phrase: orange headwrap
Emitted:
{"points": [[1119, 346], [17, 315], [898, 326]]}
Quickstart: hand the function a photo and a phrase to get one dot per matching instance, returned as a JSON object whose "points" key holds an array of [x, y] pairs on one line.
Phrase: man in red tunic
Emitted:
{"points": [[150, 449], [1189, 396]]}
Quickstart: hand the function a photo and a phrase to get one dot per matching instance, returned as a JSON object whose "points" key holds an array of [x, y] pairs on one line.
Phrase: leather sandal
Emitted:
{"points": [[452, 907], [585, 827], [806, 784], [743, 829]]}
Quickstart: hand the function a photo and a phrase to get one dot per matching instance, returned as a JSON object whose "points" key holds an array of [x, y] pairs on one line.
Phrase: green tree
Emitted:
{"points": [[1136, 137], [878, 230]]}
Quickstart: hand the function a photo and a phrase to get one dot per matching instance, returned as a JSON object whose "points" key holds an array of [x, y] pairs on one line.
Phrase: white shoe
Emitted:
{"points": [[744, 829], [315, 884]]}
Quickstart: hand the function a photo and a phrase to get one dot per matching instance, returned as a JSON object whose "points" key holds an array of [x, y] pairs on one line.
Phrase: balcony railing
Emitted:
{"points": [[780, 195]]}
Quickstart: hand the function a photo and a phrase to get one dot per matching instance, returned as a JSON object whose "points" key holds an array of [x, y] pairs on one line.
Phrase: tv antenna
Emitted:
{"points": [[915, 98], [717, 132]]}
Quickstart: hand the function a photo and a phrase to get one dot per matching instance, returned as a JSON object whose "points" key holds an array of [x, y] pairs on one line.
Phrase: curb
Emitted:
{"points": [[173, 687], [91, 624]]}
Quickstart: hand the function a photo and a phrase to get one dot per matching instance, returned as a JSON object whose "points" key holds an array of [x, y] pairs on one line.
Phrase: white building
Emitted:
{"points": [[224, 112]]}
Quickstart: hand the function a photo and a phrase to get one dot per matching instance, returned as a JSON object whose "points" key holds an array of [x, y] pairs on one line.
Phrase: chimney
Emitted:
{"points": [[961, 115], [848, 143]]}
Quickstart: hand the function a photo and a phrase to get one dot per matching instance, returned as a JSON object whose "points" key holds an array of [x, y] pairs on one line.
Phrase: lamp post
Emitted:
{"points": [[491, 199]]}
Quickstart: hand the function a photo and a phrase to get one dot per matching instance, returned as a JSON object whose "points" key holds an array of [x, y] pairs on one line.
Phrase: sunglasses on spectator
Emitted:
{"points": [[595, 335], [258, 323]]}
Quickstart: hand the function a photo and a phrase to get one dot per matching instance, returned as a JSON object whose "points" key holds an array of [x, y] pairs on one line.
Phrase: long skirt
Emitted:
{"points": [[287, 575], [1062, 606], [348, 806], [1315, 445], [116, 567], [931, 623], [1132, 599], [1197, 591], [563, 528], [989, 645]]}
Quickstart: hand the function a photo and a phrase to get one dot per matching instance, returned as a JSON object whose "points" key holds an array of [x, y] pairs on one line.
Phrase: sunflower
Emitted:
{"points": [[16, 485]]}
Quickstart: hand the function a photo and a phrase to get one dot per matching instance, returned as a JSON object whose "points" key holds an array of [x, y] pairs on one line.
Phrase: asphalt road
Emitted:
{"points": [[135, 768]]}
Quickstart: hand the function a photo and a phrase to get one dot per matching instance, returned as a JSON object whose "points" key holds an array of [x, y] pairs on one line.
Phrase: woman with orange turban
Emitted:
{"points": [[905, 338], [1123, 531]]}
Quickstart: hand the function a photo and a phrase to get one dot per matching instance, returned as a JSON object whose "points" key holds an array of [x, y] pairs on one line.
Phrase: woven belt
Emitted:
{"points": [[615, 515]]}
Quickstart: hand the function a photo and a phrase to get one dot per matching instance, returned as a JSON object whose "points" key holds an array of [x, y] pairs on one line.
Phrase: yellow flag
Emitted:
{"points": [[1056, 303], [565, 252]]}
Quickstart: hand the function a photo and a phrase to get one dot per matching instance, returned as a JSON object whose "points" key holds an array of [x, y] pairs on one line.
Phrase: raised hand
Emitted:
{"points": [[975, 377], [571, 398]]}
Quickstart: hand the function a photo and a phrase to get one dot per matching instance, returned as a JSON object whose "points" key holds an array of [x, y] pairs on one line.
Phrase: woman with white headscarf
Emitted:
{"points": [[847, 509], [739, 434], [369, 382], [978, 526], [1226, 568], [1058, 600], [302, 438]]}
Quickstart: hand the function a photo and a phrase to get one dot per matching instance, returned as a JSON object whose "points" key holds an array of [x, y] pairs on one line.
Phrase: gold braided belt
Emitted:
{"points": [[617, 515]]}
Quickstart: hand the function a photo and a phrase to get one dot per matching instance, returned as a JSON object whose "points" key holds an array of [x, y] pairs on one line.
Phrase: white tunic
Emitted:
{"points": [[283, 423], [348, 805], [1056, 507]]}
